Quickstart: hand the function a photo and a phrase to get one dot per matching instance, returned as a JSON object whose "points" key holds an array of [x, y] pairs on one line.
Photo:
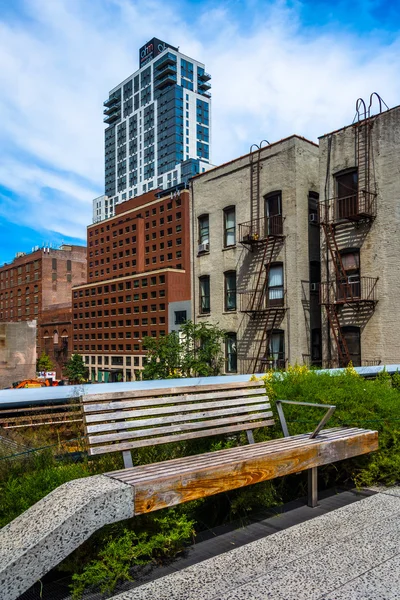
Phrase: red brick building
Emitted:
{"points": [[35, 286], [138, 283]]}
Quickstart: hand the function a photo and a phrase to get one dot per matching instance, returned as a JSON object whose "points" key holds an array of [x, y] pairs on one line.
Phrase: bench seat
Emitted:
{"points": [[172, 482]]}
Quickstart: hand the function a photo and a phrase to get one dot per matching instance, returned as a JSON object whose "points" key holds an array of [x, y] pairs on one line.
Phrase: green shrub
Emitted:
{"points": [[160, 536]]}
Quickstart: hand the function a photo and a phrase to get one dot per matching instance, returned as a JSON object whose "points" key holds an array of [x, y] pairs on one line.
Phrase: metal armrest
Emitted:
{"points": [[330, 410]]}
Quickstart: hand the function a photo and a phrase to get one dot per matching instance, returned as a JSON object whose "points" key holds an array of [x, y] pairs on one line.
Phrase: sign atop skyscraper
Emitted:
{"points": [[152, 49]]}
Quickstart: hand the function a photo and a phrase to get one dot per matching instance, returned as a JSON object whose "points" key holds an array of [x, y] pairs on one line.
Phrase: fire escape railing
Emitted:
{"points": [[258, 231], [353, 290], [353, 208]]}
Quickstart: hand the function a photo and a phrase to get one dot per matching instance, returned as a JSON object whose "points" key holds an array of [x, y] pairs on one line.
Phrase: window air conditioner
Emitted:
{"points": [[313, 217], [314, 287], [205, 247]]}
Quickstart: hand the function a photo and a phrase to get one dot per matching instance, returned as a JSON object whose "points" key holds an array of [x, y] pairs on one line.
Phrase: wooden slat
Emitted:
{"points": [[177, 438], [159, 401], [189, 463], [164, 420], [175, 489], [141, 433], [239, 402], [161, 391]]}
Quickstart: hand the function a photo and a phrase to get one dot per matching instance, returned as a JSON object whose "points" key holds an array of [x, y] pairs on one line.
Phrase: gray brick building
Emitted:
{"points": [[360, 244], [255, 248]]}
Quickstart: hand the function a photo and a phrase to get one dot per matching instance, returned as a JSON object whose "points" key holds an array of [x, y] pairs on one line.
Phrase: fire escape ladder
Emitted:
{"points": [[343, 288], [254, 187], [264, 342], [265, 267], [256, 300], [341, 344]]}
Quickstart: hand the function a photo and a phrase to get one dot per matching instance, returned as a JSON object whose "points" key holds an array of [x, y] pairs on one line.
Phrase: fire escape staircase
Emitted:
{"points": [[362, 208]]}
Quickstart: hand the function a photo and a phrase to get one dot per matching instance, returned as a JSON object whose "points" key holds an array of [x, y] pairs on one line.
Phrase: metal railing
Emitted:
{"points": [[355, 207], [262, 364], [253, 232], [361, 289], [262, 300]]}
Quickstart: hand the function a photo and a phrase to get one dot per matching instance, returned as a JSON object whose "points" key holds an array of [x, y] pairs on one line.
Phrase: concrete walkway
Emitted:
{"points": [[352, 553]]}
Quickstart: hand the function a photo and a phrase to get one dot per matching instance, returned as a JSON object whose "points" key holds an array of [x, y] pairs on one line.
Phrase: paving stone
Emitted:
{"points": [[305, 562]]}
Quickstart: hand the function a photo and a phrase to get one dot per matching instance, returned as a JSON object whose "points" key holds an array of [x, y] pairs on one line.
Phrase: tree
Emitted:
{"points": [[44, 363], [75, 369], [195, 351]]}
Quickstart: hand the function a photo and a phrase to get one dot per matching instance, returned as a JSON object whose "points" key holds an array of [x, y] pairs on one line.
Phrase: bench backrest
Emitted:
{"points": [[121, 421]]}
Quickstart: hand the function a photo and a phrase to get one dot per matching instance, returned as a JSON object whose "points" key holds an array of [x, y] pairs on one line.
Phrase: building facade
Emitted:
{"points": [[360, 245], [159, 126], [138, 283], [17, 352], [255, 252], [34, 283]]}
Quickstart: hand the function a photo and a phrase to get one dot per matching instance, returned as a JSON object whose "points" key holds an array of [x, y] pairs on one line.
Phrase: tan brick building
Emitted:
{"points": [[255, 249], [138, 283], [34, 283], [360, 243]]}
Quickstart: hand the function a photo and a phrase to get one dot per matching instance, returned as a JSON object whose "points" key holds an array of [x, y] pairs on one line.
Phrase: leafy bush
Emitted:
{"points": [[153, 538]]}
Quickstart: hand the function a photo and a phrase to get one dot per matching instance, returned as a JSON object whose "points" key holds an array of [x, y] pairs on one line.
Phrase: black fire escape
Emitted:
{"points": [[353, 206], [262, 236]]}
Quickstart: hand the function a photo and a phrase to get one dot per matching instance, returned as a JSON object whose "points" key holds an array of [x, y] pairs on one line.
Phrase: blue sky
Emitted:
{"points": [[277, 68]]}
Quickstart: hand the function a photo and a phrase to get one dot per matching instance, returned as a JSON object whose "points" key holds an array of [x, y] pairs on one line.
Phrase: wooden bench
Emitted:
{"points": [[128, 420]]}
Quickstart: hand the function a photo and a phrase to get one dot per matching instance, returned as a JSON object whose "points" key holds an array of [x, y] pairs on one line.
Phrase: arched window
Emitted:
{"points": [[230, 353], [348, 283], [204, 233], [230, 290], [273, 213], [275, 292], [229, 226], [276, 349], [55, 336]]}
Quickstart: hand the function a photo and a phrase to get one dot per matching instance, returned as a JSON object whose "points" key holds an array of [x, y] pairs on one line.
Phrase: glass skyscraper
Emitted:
{"points": [[158, 131]]}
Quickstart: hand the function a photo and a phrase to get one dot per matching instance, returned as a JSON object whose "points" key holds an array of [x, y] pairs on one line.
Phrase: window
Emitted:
{"points": [[230, 290], [353, 341], [346, 190], [230, 353], [204, 294], [275, 285], [316, 355], [204, 230], [68, 265], [229, 226], [349, 283], [276, 349], [273, 214], [180, 317], [54, 264]]}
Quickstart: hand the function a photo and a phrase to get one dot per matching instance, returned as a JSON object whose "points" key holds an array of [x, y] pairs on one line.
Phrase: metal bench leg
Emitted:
{"points": [[313, 487], [127, 456]]}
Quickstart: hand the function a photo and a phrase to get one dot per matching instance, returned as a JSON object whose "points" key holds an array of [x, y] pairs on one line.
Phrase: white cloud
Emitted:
{"points": [[270, 79]]}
